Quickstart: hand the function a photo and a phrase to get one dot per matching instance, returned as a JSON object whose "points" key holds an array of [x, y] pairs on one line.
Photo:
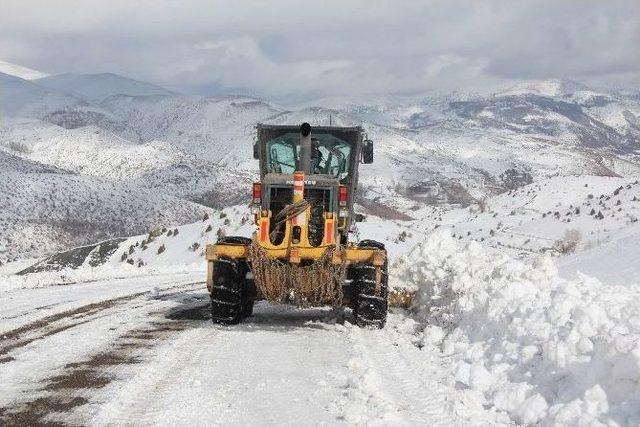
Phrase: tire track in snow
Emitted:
{"points": [[62, 393], [401, 376], [47, 326], [277, 368]]}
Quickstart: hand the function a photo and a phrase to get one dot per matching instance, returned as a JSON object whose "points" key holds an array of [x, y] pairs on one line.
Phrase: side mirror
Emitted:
{"points": [[367, 151], [256, 150], [359, 217]]}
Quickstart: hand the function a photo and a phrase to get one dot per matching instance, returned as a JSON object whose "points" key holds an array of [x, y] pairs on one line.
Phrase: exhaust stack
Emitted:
{"points": [[305, 148]]}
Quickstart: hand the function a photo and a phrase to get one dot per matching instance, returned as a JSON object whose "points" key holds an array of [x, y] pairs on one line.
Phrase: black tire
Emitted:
{"points": [[249, 297], [369, 309], [233, 295], [367, 243], [247, 311], [235, 240], [227, 296]]}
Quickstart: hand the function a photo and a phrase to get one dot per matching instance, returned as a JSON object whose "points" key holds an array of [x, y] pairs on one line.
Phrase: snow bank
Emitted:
{"points": [[528, 342], [70, 276]]}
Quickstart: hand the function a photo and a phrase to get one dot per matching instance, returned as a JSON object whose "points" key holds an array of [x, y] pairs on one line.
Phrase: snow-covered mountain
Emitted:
{"points": [[96, 87], [444, 150], [23, 98]]}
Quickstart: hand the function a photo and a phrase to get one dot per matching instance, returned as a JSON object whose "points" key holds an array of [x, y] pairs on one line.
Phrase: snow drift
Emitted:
{"points": [[524, 340]]}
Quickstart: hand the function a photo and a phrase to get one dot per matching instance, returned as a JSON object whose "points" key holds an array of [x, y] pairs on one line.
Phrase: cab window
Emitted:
{"points": [[329, 155]]}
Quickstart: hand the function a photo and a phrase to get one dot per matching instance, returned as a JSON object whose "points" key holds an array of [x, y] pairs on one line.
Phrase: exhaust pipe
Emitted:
{"points": [[305, 148]]}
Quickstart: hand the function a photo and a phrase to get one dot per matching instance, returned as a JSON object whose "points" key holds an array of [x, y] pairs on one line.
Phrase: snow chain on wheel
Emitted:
{"points": [[233, 295], [369, 309], [227, 295]]}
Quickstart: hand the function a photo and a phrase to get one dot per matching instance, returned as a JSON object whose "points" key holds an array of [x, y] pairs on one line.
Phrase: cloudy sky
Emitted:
{"points": [[281, 49]]}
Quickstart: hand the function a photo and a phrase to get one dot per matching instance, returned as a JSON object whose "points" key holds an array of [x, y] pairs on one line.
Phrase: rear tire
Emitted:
{"points": [[227, 295], [369, 309]]}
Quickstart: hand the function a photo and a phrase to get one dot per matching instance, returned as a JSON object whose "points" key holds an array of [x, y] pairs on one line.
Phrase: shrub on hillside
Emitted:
{"points": [[569, 242]]}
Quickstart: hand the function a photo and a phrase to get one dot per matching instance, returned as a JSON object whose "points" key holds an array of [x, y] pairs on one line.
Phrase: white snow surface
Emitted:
{"points": [[494, 338], [526, 341]]}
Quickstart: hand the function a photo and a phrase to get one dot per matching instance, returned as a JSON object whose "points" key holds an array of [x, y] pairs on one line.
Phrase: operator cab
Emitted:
{"points": [[330, 155], [331, 174]]}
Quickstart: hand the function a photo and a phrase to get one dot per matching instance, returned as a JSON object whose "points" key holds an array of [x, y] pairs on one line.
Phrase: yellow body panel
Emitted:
{"points": [[226, 249]]}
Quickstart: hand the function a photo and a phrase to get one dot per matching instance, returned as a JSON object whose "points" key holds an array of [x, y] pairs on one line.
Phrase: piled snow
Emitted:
{"points": [[525, 340]]}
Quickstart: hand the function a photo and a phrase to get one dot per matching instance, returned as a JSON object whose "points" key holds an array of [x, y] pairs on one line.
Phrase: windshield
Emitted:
{"points": [[329, 155]]}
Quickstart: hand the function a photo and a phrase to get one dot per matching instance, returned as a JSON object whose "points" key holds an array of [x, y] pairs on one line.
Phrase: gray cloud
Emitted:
{"points": [[282, 49]]}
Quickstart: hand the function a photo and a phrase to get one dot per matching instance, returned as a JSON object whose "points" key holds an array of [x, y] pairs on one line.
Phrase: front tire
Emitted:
{"points": [[369, 309], [232, 295], [249, 297], [227, 295]]}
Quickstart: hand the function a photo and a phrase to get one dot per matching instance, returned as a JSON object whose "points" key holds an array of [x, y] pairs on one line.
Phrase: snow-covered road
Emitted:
{"points": [[114, 352]]}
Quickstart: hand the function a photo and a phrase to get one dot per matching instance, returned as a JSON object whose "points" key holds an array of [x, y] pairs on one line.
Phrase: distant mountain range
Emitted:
{"points": [[20, 71], [98, 155]]}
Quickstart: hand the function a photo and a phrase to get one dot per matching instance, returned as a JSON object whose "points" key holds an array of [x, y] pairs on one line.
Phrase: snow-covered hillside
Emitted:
{"points": [[24, 98], [556, 216], [442, 151], [45, 209]]}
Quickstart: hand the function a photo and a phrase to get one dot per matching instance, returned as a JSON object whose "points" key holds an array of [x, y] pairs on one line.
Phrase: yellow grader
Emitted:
{"points": [[300, 253]]}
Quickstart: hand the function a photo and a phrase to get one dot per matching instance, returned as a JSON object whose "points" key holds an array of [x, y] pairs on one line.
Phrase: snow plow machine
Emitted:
{"points": [[300, 253]]}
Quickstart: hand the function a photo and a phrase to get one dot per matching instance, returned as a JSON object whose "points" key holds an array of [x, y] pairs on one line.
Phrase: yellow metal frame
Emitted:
{"points": [[290, 248], [350, 254], [294, 251], [347, 255]]}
